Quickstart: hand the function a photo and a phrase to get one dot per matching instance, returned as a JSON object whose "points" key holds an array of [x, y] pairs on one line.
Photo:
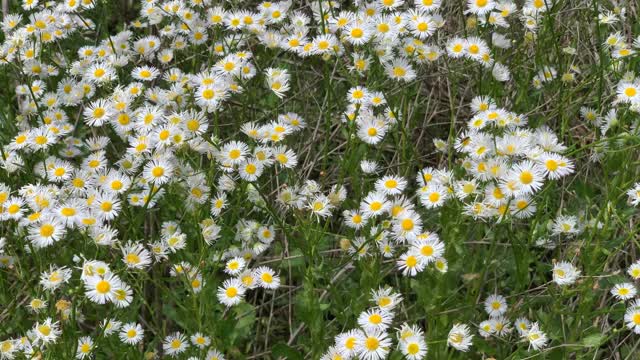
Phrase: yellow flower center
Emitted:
{"points": [[117, 185], [157, 171], [399, 71], [46, 230], [103, 287], [68, 211], [44, 330], [411, 261], [234, 154], [375, 319], [41, 140], [526, 177], [427, 250], [208, 94], [630, 91], [132, 259], [407, 224], [371, 343], [266, 277]]}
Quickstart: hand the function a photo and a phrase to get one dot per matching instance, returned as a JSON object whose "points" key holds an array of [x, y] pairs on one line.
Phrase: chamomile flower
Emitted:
{"points": [[55, 278], [46, 232], [556, 166], [433, 196], [537, 339], [634, 270], [371, 131], [628, 92], [375, 319], [85, 347], [632, 317], [441, 265], [460, 337], [358, 95], [278, 81], [486, 328], [391, 185], [267, 278], [372, 345], [371, 167], [456, 47], [231, 292], [102, 289], [528, 176], [565, 225], [136, 256], [480, 7], [233, 152], [565, 273], [495, 305], [47, 331], [235, 266], [624, 291], [386, 298], [100, 73], [346, 342], [410, 264], [131, 333], [36, 305], [145, 73], [250, 169], [400, 69], [428, 249], [320, 206], [175, 344], [374, 204]]}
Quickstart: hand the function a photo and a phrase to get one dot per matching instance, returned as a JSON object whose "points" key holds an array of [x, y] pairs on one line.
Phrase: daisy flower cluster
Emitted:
{"points": [[505, 165], [499, 326], [627, 292], [372, 339], [195, 179]]}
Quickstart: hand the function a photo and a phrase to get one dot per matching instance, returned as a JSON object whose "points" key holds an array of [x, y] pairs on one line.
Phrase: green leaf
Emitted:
{"points": [[282, 350], [593, 340]]}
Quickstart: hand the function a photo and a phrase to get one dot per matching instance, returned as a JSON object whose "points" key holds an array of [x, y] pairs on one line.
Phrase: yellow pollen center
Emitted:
{"points": [[103, 287], [526, 177]]}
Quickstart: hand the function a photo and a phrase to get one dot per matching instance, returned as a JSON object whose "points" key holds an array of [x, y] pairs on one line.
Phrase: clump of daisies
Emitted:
{"points": [[126, 148], [254, 239], [627, 292], [388, 223], [505, 162], [497, 324], [372, 339]]}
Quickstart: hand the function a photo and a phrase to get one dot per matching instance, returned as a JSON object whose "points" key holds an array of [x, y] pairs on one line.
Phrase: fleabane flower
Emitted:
{"points": [[460, 337]]}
